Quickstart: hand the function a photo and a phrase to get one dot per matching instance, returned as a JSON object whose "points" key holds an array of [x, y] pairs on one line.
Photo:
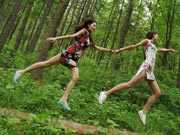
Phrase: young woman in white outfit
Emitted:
{"points": [[145, 71]]}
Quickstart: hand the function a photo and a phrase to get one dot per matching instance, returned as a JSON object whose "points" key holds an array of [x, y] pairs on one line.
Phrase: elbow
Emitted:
{"points": [[95, 47], [71, 37]]}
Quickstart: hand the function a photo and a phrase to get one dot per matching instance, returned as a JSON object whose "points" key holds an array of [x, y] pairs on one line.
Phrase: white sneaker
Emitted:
{"points": [[102, 97], [142, 116]]}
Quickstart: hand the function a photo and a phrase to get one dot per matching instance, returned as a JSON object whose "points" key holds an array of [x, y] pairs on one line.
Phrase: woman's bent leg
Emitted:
{"points": [[75, 77], [154, 86], [156, 93]]}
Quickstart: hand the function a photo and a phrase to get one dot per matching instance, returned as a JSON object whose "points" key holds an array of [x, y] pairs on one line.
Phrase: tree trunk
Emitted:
{"points": [[64, 23], [32, 28], [81, 12], [150, 7], [24, 23], [85, 13], [115, 34], [124, 30], [107, 32], [1, 3], [92, 8], [169, 28], [5, 12], [31, 46], [72, 18], [9, 24], [50, 31], [126, 23], [16, 23], [118, 24]]}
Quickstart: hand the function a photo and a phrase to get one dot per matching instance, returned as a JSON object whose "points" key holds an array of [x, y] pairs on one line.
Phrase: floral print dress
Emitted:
{"points": [[71, 55], [149, 63]]}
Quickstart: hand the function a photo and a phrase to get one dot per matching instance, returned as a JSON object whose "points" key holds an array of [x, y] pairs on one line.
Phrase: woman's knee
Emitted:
{"points": [[157, 94], [75, 78], [129, 84], [45, 63]]}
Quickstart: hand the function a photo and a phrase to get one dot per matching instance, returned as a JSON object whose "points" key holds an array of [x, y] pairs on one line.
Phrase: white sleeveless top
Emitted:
{"points": [[149, 63]]}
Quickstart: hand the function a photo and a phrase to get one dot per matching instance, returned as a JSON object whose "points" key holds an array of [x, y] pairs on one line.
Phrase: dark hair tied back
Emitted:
{"points": [[150, 34], [84, 24]]}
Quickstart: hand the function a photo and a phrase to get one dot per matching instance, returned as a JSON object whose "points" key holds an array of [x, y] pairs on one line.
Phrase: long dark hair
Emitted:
{"points": [[150, 34], [84, 24]]}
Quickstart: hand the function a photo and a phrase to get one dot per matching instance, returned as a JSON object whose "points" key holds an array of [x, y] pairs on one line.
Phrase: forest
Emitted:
{"points": [[26, 24]]}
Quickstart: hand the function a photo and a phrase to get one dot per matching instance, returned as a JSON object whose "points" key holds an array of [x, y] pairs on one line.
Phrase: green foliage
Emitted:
{"points": [[37, 125], [119, 110]]}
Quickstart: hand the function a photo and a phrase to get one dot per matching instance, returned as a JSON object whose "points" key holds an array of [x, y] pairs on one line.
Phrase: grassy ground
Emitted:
{"points": [[119, 111]]}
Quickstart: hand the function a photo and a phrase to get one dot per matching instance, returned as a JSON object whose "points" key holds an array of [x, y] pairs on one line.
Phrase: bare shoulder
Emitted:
{"points": [[85, 30], [80, 32], [145, 42]]}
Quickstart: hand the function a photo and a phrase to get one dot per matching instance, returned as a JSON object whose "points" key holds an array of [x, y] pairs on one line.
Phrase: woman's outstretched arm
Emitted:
{"points": [[142, 43], [53, 39], [167, 50], [102, 49]]}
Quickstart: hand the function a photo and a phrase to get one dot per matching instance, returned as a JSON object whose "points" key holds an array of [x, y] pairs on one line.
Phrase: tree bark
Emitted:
{"points": [[32, 28], [81, 12], [126, 23], [16, 23], [92, 8], [107, 32], [64, 23], [50, 31], [23, 26], [118, 24], [31, 46], [115, 34], [150, 7], [169, 28], [9, 24], [85, 13], [1, 3]]}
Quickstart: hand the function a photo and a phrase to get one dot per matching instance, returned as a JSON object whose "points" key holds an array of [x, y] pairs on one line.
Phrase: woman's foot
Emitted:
{"points": [[142, 116], [102, 97], [16, 77], [64, 106]]}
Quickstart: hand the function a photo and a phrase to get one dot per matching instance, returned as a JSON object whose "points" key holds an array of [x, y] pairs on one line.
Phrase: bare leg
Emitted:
{"points": [[75, 77], [154, 86], [135, 79], [51, 61]]}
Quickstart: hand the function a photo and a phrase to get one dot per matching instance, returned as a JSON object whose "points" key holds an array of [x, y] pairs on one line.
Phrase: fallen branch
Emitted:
{"points": [[79, 128]]}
